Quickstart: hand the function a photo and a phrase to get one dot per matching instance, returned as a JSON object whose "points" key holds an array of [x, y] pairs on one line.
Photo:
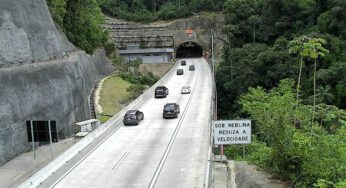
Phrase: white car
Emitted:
{"points": [[185, 90]]}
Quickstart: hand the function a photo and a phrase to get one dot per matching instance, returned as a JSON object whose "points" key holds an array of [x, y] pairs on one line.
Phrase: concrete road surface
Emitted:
{"points": [[158, 152]]}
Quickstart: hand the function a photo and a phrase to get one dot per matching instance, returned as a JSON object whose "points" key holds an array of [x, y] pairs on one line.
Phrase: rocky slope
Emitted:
{"points": [[42, 75]]}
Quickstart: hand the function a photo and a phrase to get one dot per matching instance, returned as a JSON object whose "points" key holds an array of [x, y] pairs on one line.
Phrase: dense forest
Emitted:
{"points": [[152, 10], [283, 66]]}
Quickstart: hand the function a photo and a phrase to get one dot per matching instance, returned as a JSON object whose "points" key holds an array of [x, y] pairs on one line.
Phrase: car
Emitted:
{"points": [[185, 90], [171, 110], [180, 71], [133, 117], [161, 91], [183, 62], [191, 67]]}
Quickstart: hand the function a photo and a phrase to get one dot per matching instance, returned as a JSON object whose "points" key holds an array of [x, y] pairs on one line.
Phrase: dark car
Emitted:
{"points": [[183, 62], [171, 110], [161, 91], [133, 117], [180, 71], [191, 67]]}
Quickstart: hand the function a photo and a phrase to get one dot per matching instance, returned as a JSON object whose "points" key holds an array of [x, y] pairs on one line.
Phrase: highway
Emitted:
{"points": [[158, 152]]}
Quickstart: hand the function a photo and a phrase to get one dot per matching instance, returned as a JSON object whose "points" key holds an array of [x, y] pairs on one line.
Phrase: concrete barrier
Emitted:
{"points": [[41, 175]]}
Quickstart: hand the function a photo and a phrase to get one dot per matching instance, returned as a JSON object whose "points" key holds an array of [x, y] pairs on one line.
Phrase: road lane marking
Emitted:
{"points": [[115, 167]]}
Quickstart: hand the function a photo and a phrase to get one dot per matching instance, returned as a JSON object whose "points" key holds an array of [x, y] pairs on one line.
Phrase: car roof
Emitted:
{"points": [[170, 104], [131, 111], [159, 87]]}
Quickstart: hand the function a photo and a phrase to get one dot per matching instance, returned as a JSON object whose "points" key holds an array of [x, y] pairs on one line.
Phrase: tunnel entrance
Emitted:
{"points": [[189, 49]]}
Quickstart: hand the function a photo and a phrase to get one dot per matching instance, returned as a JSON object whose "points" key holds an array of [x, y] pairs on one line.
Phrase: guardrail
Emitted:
{"points": [[41, 175]]}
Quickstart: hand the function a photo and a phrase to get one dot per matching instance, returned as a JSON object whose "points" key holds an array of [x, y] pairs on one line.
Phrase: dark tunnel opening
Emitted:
{"points": [[189, 50]]}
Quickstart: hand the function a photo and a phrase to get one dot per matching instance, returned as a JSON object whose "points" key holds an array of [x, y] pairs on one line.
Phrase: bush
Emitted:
{"points": [[109, 47], [306, 153], [135, 90], [256, 153], [148, 79]]}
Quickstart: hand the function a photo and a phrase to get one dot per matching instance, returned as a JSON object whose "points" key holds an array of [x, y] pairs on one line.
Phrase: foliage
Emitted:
{"points": [[135, 90], [57, 9], [274, 23], [152, 10], [304, 153], [109, 47], [256, 153], [148, 79], [81, 21]]}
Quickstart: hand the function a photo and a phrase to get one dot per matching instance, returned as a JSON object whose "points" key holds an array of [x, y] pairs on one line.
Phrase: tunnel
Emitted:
{"points": [[189, 49]]}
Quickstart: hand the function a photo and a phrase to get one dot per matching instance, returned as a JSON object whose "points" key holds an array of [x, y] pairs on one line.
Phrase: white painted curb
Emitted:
{"points": [[36, 179]]}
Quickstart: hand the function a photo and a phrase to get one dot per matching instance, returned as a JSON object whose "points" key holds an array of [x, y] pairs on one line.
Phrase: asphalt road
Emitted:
{"points": [[158, 152]]}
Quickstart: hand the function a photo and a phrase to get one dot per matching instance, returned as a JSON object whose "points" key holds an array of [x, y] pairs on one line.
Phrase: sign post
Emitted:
{"points": [[228, 132]]}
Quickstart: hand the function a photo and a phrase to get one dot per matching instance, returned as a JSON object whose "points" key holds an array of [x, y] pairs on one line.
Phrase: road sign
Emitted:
{"points": [[232, 132], [188, 31]]}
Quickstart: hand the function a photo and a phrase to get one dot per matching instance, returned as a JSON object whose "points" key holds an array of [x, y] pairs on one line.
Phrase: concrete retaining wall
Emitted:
{"points": [[57, 90]]}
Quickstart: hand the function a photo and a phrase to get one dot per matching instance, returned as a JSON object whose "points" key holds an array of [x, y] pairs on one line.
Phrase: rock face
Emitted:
{"points": [[53, 81], [28, 33]]}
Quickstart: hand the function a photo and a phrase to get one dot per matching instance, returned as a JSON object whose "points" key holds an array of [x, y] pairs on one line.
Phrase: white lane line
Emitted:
{"points": [[115, 167]]}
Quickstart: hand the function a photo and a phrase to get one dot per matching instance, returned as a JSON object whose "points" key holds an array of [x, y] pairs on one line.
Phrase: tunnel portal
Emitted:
{"points": [[189, 49]]}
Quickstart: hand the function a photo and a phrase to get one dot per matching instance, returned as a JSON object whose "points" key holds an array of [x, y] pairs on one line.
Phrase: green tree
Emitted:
{"points": [[315, 50], [297, 46], [83, 24], [57, 9]]}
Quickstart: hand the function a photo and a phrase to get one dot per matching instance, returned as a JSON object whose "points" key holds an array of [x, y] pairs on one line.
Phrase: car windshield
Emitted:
{"points": [[169, 108], [130, 116]]}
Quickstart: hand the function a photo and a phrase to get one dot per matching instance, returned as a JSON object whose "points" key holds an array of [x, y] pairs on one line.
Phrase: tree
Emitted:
{"points": [[83, 22], [315, 49], [254, 19], [57, 9], [297, 46]]}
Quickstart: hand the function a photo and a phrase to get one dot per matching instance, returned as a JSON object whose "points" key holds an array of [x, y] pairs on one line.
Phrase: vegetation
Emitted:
{"points": [[299, 126], [152, 10], [81, 21], [114, 95]]}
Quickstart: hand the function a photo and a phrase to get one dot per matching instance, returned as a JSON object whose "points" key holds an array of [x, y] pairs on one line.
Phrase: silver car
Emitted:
{"points": [[185, 90]]}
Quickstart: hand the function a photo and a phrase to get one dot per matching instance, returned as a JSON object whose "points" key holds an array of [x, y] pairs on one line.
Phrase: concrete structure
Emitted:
{"points": [[42, 75], [194, 31], [148, 55], [87, 126]]}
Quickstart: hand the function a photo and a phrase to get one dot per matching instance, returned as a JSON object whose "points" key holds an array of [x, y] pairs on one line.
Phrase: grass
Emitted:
{"points": [[113, 95]]}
